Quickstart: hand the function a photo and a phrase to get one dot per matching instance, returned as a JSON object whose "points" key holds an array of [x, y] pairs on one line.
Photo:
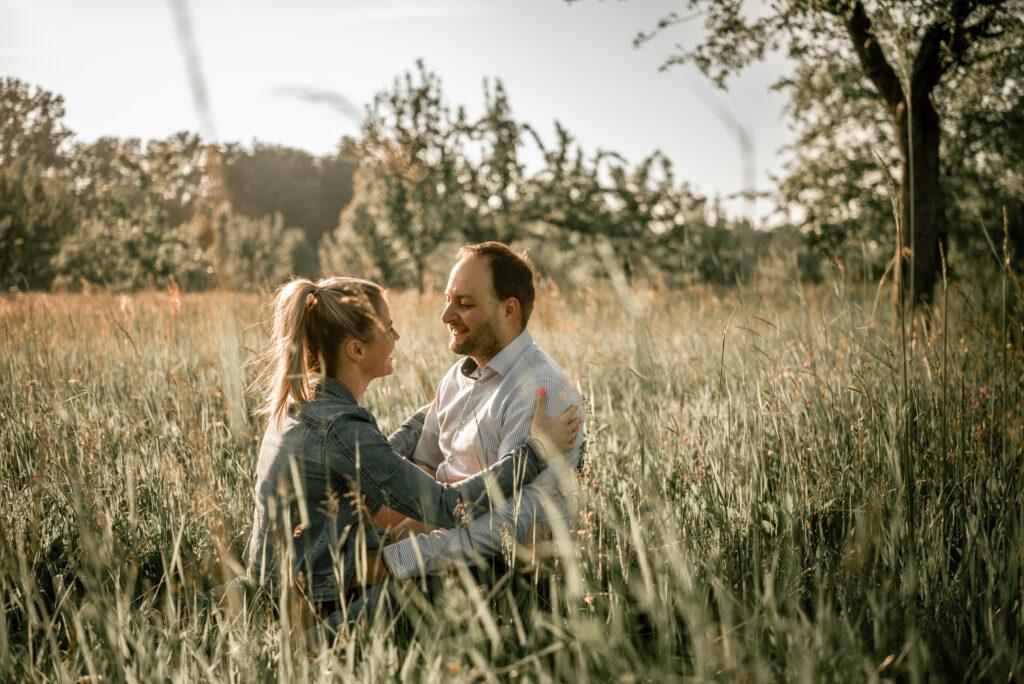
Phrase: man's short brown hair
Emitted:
{"points": [[511, 273]]}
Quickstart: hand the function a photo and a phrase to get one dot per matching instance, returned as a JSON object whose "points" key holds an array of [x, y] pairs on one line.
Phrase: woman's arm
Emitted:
{"points": [[404, 439], [386, 477], [382, 474]]}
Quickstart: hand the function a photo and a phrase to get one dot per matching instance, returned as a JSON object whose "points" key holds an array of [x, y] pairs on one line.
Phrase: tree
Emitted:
{"points": [[362, 245], [118, 179], [983, 149], [126, 253], [904, 58], [257, 254], [652, 222], [496, 182], [36, 213], [309, 192], [32, 132], [835, 186], [412, 156], [36, 208]]}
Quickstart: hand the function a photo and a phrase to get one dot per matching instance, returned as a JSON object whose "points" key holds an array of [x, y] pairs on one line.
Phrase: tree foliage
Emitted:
{"points": [[869, 74], [36, 214], [423, 179], [32, 131], [309, 192]]}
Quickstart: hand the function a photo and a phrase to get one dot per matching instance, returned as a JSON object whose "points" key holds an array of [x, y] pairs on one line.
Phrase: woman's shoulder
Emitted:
{"points": [[351, 421]]}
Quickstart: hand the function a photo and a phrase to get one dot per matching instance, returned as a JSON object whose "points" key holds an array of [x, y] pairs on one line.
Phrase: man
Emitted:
{"points": [[483, 409]]}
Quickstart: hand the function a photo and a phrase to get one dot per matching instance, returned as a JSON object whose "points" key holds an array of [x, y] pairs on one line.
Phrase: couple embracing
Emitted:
{"points": [[483, 460]]}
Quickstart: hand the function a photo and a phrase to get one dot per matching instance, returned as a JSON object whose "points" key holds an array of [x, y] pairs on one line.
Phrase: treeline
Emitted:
{"points": [[392, 205], [126, 215], [423, 178]]}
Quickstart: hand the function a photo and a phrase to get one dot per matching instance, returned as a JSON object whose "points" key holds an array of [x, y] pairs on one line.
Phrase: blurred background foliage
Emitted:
{"points": [[423, 178]]}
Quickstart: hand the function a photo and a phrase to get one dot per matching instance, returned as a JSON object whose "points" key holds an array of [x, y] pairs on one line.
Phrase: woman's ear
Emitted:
{"points": [[354, 350]]}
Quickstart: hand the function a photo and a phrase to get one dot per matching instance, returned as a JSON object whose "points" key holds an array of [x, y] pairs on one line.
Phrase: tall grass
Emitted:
{"points": [[742, 507]]}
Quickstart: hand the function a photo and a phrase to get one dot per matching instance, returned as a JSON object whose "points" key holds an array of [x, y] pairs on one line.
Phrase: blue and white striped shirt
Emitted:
{"points": [[478, 415]]}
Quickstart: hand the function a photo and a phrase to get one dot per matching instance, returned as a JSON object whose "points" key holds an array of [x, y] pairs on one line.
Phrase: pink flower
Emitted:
{"points": [[975, 402], [686, 440], [805, 364], [807, 402], [983, 390]]}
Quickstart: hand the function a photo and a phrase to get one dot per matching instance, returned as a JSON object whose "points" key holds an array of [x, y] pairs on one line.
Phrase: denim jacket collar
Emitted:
{"points": [[335, 388]]}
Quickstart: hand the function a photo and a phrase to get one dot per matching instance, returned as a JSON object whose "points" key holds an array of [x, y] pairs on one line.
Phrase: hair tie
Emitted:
{"points": [[313, 298]]}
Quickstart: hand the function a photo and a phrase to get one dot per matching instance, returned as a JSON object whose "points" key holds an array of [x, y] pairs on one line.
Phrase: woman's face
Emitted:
{"points": [[377, 361]]}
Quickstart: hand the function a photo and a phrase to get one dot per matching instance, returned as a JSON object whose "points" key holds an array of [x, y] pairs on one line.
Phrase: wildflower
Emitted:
{"points": [[983, 390], [686, 440], [31, 383], [975, 403], [805, 364], [807, 402], [453, 667], [982, 432]]}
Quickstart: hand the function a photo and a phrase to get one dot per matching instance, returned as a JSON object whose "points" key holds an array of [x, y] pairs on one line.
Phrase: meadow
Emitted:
{"points": [[780, 483]]}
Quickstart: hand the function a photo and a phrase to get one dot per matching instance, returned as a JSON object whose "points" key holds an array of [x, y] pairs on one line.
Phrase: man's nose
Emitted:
{"points": [[395, 335], [446, 314]]}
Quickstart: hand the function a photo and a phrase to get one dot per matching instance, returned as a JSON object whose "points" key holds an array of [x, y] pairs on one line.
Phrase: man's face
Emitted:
{"points": [[472, 311]]}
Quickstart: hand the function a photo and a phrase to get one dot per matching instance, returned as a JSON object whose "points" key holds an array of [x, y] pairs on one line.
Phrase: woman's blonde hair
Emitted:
{"points": [[311, 322]]}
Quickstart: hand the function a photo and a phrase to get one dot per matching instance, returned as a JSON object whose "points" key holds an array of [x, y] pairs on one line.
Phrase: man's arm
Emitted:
{"points": [[543, 500]]}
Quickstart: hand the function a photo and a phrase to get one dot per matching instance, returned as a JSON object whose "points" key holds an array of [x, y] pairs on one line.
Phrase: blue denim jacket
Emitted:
{"points": [[325, 469]]}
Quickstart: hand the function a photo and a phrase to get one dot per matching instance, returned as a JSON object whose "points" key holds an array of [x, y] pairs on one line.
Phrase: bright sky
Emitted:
{"points": [[122, 70]]}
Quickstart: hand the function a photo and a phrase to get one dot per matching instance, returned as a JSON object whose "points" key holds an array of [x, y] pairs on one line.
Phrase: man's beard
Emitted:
{"points": [[483, 343]]}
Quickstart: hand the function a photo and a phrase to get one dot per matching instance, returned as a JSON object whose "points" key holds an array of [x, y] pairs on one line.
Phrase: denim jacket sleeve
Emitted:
{"points": [[360, 454], [404, 439]]}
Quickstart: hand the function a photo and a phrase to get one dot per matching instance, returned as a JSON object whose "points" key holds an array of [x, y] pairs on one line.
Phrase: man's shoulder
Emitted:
{"points": [[535, 368]]}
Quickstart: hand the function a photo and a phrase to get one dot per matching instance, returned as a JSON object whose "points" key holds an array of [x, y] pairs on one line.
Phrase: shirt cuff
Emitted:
{"points": [[401, 559]]}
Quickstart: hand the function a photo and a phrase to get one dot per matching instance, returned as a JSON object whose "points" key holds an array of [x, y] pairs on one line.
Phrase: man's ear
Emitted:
{"points": [[354, 350], [510, 307]]}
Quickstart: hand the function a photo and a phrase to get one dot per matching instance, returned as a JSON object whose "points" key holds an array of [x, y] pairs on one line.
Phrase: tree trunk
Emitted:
{"points": [[921, 229], [421, 268]]}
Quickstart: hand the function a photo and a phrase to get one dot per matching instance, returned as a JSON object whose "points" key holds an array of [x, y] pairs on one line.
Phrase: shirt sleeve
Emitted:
{"points": [[545, 500]]}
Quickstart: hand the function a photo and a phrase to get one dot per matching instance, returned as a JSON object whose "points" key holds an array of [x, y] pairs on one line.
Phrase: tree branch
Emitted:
{"points": [[869, 51], [951, 38], [664, 23]]}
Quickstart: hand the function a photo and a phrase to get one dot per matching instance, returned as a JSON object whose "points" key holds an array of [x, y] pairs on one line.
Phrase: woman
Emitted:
{"points": [[325, 468]]}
